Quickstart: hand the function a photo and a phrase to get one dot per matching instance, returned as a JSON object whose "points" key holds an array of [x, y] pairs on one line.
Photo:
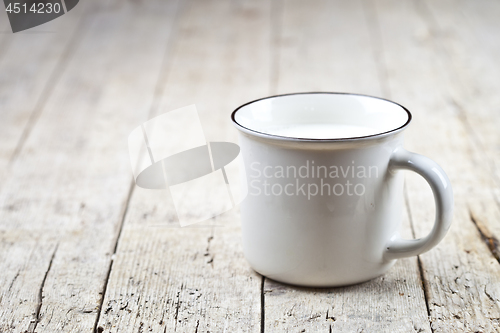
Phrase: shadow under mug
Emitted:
{"points": [[325, 191]]}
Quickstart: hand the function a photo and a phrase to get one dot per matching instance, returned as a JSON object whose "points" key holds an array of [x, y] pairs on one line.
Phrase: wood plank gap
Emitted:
{"points": [[419, 262], [377, 46], [36, 319], [108, 273], [276, 13], [426, 291], [12, 282], [262, 306], [50, 85]]}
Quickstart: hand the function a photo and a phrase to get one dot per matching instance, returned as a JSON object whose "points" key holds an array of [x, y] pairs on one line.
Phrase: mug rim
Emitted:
{"points": [[287, 138]]}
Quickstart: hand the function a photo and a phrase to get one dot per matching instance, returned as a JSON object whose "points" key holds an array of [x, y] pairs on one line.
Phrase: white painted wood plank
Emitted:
{"points": [[470, 47], [470, 53], [331, 46], [462, 277], [167, 278], [326, 46], [31, 62], [62, 205]]}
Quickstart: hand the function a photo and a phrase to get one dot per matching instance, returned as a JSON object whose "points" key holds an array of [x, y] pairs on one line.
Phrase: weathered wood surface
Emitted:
{"points": [[200, 280], [82, 251], [64, 198], [462, 277]]}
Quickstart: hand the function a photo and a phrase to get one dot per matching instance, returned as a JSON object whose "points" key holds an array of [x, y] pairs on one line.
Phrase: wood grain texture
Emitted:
{"points": [[63, 202], [30, 65], [319, 51], [195, 279], [462, 277], [167, 278], [469, 56]]}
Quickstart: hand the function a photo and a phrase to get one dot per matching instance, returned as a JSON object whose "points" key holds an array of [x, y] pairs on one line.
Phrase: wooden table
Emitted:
{"points": [[83, 249]]}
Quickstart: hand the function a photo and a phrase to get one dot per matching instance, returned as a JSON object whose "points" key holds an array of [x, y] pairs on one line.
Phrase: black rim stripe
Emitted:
{"points": [[286, 138]]}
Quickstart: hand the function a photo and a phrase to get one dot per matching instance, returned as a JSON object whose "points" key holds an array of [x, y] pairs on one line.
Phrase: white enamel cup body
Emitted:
{"points": [[326, 212]]}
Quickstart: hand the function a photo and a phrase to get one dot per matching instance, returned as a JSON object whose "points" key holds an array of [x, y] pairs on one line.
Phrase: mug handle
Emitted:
{"points": [[398, 247]]}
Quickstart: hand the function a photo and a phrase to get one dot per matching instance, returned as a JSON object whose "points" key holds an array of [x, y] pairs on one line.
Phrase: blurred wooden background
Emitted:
{"points": [[83, 250]]}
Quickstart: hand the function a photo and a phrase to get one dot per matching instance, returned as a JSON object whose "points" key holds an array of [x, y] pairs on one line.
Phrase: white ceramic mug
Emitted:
{"points": [[325, 191]]}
